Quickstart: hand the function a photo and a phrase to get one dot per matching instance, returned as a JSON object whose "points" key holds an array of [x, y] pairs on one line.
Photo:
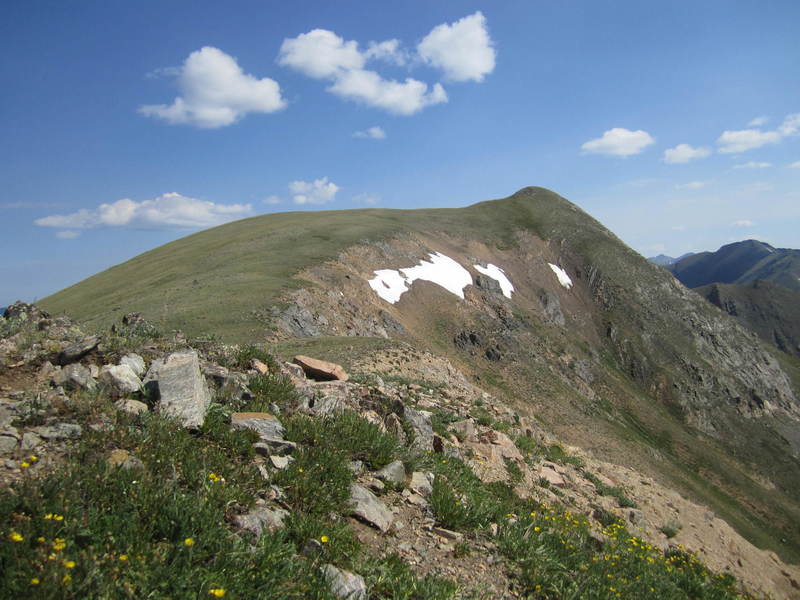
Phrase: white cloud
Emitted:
{"points": [[749, 139], [168, 211], [370, 88], [368, 199], [319, 191], [215, 92], [743, 223], [692, 185], [320, 54], [759, 187], [619, 142], [373, 133], [683, 153], [795, 165], [746, 139], [68, 234], [273, 200], [790, 125], [389, 51], [753, 165], [463, 50], [758, 121]]}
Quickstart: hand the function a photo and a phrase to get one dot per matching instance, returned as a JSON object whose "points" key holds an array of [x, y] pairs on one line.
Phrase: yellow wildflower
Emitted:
{"points": [[48, 517], [69, 564], [67, 578], [15, 536], [123, 557], [35, 581], [188, 542], [24, 465], [58, 517], [33, 458], [324, 539], [217, 592]]}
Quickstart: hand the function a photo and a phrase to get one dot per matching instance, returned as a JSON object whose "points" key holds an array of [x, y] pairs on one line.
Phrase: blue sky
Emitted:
{"points": [[126, 125]]}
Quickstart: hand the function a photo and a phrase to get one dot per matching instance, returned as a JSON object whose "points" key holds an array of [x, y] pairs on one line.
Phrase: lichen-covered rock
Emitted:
{"points": [[345, 585], [264, 424]]}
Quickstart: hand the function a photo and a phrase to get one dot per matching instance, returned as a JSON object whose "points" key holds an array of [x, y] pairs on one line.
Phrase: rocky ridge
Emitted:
{"points": [[423, 402]]}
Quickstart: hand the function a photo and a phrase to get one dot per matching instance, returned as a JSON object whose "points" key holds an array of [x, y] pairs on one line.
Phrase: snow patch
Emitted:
{"points": [[563, 278], [442, 270], [498, 275]]}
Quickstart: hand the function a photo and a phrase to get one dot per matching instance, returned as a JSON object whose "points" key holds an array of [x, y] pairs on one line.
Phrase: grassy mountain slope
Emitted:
{"points": [[638, 368]]}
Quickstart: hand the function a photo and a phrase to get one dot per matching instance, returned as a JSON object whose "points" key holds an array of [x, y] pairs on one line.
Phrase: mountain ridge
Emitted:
{"points": [[626, 361]]}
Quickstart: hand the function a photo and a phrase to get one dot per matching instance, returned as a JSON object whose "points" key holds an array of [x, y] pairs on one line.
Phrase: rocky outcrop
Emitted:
{"points": [[180, 388]]}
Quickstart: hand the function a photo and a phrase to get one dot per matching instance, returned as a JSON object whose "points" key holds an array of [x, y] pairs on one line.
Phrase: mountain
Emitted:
{"points": [[770, 310], [593, 343], [740, 262], [664, 260]]}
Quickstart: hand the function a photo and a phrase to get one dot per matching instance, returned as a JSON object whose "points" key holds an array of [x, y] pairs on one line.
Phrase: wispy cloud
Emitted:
{"points": [[372, 133], [368, 199], [171, 211], [743, 223], [753, 165], [732, 142], [692, 185], [758, 121]]}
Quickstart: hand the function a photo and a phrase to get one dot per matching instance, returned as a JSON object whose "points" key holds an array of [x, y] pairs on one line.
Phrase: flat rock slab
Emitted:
{"points": [[76, 351], [320, 369], [344, 584], [181, 388], [421, 484], [552, 477], [264, 424], [366, 506]]}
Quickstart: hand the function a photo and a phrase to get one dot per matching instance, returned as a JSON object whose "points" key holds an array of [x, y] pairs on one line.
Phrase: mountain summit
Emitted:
{"points": [[527, 296]]}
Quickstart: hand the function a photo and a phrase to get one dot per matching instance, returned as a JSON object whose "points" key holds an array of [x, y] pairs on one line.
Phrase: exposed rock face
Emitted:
{"points": [[320, 369], [394, 473], [420, 423], [180, 388], [75, 377], [135, 362]]}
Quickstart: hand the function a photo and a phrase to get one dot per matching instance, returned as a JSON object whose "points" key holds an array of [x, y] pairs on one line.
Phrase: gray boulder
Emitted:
{"points": [[394, 473], [366, 506], [180, 388], [135, 362], [344, 584], [120, 378], [77, 350], [261, 518], [264, 424], [420, 423], [132, 407], [75, 377]]}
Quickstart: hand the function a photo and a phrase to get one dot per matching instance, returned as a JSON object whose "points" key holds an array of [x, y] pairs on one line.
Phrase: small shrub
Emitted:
{"points": [[243, 355], [671, 529], [270, 389]]}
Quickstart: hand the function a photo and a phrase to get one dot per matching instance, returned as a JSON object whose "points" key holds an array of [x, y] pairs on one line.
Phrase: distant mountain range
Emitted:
{"points": [[740, 262], [755, 283], [664, 260]]}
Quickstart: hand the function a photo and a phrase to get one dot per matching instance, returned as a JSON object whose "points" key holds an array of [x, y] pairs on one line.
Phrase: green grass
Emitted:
{"points": [[555, 558]]}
